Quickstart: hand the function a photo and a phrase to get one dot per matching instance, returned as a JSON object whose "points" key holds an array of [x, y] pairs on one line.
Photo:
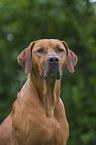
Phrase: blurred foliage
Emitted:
{"points": [[23, 21]]}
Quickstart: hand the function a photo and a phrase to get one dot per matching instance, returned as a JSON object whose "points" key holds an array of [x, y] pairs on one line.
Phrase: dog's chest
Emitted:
{"points": [[42, 131], [33, 127]]}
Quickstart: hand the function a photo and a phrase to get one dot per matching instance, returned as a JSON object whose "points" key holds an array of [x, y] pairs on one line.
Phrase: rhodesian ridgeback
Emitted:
{"points": [[38, 114]]}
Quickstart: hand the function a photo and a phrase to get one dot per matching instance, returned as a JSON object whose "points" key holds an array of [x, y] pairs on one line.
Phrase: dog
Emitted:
{"points": [[38, 115]]}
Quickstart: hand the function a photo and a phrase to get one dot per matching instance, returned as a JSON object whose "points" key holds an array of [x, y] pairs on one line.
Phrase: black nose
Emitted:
{"points": [[53, 59]]}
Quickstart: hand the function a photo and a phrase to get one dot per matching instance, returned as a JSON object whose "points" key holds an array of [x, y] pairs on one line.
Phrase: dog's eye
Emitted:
{"points": [[60, 50], [41, 50]]}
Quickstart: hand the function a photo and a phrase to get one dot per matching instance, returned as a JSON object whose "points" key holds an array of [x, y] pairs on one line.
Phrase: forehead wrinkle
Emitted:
{"points": [[48, 43]]}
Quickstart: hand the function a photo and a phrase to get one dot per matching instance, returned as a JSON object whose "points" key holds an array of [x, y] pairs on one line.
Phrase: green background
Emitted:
{"points": [[23, 21]]}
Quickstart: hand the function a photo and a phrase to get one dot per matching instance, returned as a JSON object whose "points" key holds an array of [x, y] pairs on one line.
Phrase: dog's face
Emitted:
{"points": [[48, 58]]}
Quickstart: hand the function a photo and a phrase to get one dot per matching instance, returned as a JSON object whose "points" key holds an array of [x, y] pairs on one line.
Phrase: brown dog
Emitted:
{"points": [[38, 115]]}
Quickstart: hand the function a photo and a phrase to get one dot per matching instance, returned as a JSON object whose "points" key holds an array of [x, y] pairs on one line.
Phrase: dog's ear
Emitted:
{"points": [[25, 58], [71, 59]]}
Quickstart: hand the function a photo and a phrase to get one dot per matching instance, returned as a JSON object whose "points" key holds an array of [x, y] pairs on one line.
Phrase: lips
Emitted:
{"points": [[55, 73], [51, 73]]}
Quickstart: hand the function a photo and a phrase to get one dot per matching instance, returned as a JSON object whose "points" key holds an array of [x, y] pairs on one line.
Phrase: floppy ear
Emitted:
{"points": [[71, 59], [25, 59]]}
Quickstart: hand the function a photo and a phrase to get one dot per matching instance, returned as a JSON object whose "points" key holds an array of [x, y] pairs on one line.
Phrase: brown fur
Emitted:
{"points": [[38, 114]]}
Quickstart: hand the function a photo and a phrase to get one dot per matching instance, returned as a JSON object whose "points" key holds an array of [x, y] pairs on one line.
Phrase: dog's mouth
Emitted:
{"points": [[52, 73]]}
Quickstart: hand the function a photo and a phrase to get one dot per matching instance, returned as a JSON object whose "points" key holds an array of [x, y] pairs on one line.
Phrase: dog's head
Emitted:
{"points": [[48, 58]]}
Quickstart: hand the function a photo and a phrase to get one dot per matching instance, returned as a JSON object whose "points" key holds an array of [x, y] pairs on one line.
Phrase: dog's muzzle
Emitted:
{"points": [[52, 69]]}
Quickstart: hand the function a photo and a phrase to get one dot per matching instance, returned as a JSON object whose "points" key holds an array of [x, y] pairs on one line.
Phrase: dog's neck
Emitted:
{"points": [[48, 92]]}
